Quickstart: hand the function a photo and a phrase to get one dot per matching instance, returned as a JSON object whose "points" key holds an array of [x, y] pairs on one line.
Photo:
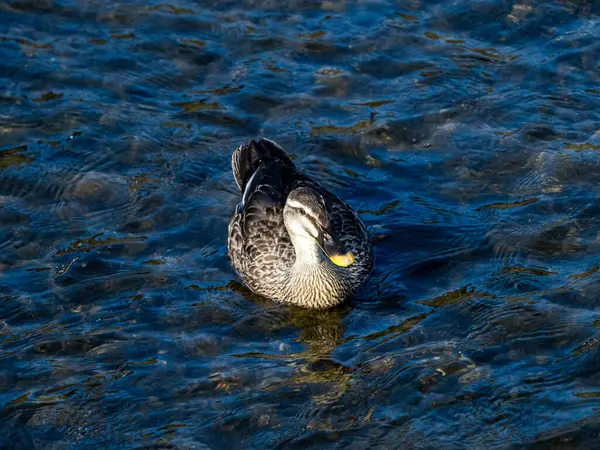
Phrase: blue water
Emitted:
{"points": [[466, 133]]}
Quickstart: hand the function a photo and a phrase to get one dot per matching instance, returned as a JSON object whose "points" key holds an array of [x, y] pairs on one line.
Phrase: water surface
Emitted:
{"points": [[466, 134]]}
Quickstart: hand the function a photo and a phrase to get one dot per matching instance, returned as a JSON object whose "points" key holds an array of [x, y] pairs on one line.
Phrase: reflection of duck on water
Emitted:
{"points": [[321, 330], [291, 239]]}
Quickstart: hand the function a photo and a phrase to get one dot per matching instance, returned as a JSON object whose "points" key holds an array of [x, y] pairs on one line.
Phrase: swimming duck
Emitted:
{"points": [[290, 239]]}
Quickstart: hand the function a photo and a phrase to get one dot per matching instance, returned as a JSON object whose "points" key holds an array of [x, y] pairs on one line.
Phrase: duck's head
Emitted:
{"points": [[307, 221]]}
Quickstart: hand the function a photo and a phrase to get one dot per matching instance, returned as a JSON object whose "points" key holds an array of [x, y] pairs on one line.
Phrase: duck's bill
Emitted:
{"points": [[336, 254]]}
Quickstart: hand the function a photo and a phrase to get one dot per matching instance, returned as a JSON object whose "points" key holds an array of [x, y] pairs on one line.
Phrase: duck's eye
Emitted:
{"points": [[302, 211]]}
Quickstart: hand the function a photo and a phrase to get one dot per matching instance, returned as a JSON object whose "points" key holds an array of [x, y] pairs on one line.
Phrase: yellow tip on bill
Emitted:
{"points": [[343, 260]]}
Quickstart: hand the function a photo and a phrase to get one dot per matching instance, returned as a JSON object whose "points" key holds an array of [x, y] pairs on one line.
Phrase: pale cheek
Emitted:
{"points": [[310, 228], [297, 229], [304, 228]]}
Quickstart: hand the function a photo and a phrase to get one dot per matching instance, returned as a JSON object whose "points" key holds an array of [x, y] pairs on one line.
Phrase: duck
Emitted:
{"points": [[290, 239]]}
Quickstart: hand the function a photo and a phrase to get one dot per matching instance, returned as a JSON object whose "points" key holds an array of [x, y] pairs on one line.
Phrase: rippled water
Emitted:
{"points": [[467, 135]]}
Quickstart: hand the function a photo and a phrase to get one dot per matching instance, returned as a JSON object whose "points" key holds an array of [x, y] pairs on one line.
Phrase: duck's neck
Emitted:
{"points": [[313, 280], [308, 253]]}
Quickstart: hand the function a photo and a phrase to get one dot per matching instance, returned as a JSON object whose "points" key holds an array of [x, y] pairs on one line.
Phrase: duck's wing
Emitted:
{"points": [[265, 174], [259, 245]]}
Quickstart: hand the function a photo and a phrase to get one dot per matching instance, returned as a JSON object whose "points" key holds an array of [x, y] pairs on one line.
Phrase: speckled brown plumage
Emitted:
{"points": [[260, 247]]}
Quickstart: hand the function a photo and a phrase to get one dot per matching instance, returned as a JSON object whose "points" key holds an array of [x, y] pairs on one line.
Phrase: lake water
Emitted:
{"points": [[466, 133]]}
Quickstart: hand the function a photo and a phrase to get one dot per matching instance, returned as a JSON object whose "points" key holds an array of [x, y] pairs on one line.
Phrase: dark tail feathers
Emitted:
{"points": [[247, 158]]}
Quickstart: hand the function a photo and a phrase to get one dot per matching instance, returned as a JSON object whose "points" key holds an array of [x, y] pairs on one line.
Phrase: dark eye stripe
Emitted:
{"points": [[310, 214], [305, 212]]}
